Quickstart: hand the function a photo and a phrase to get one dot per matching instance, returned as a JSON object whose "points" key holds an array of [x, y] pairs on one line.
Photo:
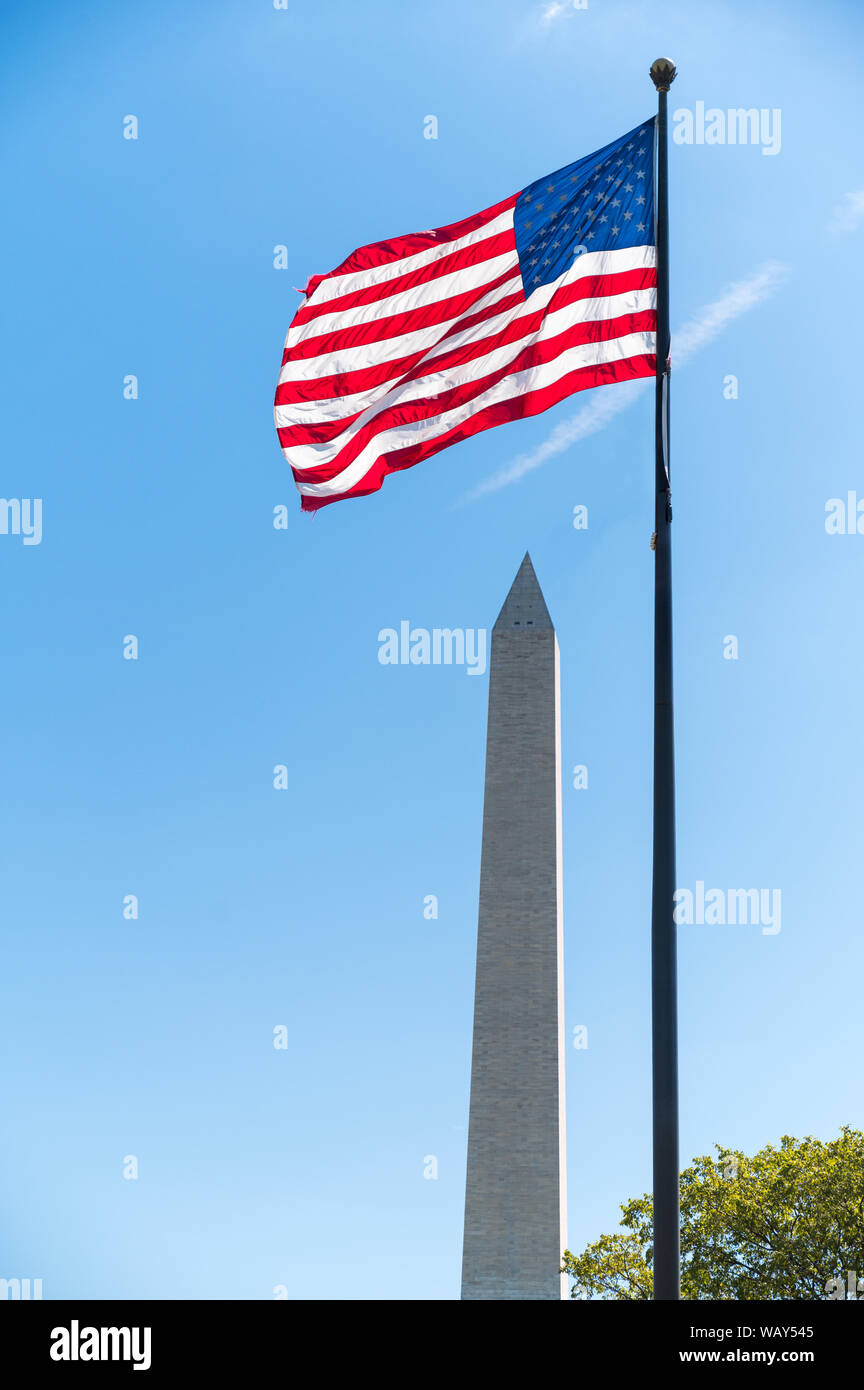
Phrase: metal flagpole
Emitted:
{"points": [[664, 987]]}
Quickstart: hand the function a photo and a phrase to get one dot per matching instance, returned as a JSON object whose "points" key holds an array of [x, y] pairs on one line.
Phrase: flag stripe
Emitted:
{"points": [[471, 368], [362, 388], [604, 290], [425, 275], [382, 262], [504, 384], [383, 373], [389, 342], [317, 463], [499, 413], [504, 272]]}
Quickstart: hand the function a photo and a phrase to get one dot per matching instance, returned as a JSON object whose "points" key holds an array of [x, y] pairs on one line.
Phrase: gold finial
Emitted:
{"points": [[663, 72]]}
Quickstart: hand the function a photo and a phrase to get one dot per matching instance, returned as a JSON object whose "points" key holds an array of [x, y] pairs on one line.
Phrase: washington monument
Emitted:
{"points": [[515, 1199]]}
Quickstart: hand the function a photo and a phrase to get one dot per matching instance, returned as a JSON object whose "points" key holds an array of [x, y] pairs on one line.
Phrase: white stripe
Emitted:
{"points": [[430, 292], [340, 407], [517, 384], [327, 409], [302, 456], [336, 285], [596, 263], [349, 359]]}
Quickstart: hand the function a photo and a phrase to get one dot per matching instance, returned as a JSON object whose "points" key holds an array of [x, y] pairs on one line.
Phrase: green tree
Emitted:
{"points": [[777, 1225]]}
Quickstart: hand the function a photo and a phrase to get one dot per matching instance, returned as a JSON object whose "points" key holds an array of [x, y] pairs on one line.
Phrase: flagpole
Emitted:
{"points": [[664, 985]]}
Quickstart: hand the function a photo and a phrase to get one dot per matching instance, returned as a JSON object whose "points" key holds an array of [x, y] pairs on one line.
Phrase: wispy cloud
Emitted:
{"points": [[849, 213], [604, 404], [559, 8], [740, 296], [601, 408]]}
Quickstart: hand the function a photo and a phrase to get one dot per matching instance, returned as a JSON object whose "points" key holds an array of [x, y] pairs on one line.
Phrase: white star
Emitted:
{"points": [[641, 227], [628, 188], [615, 231], [640, 176], [627, 216], [641, 198]]}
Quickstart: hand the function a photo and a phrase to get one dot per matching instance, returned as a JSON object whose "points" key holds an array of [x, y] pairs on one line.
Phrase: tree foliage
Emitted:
{"points": [[777, 1225]]}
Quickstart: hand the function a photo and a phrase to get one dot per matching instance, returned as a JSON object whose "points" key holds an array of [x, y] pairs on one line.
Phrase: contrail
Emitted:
{"points": [[605, 404]]}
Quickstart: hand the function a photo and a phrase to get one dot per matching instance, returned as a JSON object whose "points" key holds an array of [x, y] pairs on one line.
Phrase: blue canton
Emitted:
{"points": [[601, 203]]}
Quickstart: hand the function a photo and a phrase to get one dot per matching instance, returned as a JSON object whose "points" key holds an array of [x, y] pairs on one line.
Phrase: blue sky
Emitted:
{"points": [[303, 907]]}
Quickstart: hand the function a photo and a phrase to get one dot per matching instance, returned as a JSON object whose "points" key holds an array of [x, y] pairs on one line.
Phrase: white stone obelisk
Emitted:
{"points": [[515, 1199]]}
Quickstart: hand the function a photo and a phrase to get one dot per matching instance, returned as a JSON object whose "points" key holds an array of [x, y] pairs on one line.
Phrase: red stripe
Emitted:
{"points": [[413, 366], [532, 403], [385, 252], [393, 325], [324, 388], [590, 287], [320, 433], [456, 260], [427, 407]]}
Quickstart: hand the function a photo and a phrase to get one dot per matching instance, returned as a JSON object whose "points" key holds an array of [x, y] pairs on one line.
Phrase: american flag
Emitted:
{"points": [[413, 344]]}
